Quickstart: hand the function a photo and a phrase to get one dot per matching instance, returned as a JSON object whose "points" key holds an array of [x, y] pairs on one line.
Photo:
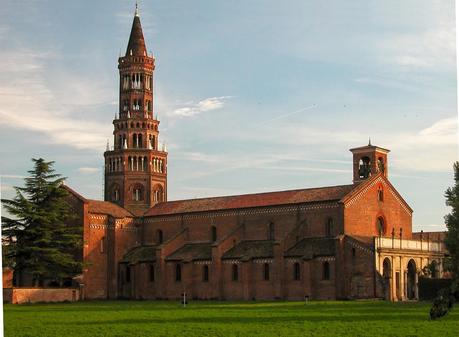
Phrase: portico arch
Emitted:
{"points": [[387, 274], [411, 286]]}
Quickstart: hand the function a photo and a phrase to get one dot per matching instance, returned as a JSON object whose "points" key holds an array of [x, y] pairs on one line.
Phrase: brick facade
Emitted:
{"points": [[322, 243]]}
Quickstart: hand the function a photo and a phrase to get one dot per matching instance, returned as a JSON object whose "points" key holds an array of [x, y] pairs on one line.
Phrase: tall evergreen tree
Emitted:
{"points": [[452, 224], [42, 239]]}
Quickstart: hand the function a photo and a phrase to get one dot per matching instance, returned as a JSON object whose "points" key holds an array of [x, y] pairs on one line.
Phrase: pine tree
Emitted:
{"points": [[452, 224], [42, 239]]}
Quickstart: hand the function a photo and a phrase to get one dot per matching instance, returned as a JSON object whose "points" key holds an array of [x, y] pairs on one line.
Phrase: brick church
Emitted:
{"points": [[336, 242]]}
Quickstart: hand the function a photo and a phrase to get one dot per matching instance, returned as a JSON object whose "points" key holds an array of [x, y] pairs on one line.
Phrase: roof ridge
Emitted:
{"points": [[257, 193]]}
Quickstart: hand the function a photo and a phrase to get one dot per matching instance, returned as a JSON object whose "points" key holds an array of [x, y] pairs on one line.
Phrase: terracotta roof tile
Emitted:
{"points": [[321, 194], [106, 207], [250, 249], [140, 254], [192, 252]]}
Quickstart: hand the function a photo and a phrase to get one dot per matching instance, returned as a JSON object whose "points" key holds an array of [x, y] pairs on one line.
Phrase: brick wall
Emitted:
{"points": [[34, 295]]}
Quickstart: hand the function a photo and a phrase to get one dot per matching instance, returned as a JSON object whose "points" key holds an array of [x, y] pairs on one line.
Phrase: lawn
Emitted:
{"points": [[161, 318]]}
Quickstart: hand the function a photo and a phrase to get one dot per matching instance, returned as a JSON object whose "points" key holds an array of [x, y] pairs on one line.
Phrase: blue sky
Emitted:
{"points": [[252, 96]]}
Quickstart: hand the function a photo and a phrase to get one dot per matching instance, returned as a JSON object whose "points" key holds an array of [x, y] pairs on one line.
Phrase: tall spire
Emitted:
{"points": [[136, 44]]}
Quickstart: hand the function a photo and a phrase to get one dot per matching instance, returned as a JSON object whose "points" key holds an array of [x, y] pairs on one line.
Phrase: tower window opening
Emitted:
{"points": [[381, 167], [137, 193], [116, 195], [364, 168], [139, 140]]}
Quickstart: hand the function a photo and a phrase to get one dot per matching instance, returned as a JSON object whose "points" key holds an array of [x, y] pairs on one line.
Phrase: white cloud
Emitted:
{"points": [[88, 170], [44, 108], [208, 104]]}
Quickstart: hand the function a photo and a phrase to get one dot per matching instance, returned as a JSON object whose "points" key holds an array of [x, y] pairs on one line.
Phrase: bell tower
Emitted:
{"points": [[369, 160], [136, 166]]}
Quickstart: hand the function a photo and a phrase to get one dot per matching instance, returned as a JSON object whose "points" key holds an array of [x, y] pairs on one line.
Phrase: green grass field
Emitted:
{"points": [[135, 318]]}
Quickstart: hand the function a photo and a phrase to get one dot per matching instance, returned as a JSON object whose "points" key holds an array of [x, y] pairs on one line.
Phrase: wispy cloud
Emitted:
{"points": [[285, 115], [88, 170], [46, 108], [208, 104], [432, 48]]}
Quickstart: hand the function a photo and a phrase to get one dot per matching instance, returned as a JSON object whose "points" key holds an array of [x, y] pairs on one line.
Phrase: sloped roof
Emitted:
{"points": [[309, 248], [140, 254], [136, 42], [109, 208], [192, 252], [250, 249], [321, 194]]}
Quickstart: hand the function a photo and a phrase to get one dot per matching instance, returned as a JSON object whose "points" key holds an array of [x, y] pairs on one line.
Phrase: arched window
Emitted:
{"points": [[158, 193], [138, 193], [178, 273], [380, 226], [205, 273], [152, 273], [160, 236], [134, 140], [116, 194], [213, 233], [266, 271], [235, 272], [128, 274], [326, 271], [380, 194], [270, 231], [329, 227], [139, 140], [296, 271]]}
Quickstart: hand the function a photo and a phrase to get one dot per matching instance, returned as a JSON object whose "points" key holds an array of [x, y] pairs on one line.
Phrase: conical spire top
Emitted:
{"points": [[136, 44]]}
